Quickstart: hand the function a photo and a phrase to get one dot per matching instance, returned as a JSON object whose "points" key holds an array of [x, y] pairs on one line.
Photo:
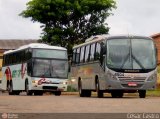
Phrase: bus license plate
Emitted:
{"points": [[132, 84]]}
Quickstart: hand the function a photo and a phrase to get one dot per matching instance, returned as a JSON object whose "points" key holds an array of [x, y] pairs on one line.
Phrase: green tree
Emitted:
{"points": [[69, 22]]}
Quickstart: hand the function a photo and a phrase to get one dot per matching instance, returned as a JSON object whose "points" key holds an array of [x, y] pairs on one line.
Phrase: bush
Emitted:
{"points": [[71, 89]]}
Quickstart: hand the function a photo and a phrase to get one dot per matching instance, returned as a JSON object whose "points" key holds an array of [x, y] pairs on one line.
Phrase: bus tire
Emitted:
{"points": [[57, 93], [10, 88], [142, 93], [16, 92], [28, 92], [114, 94], [117, 94], [81, 91], [88, 93], [39, 93], [120, 94], [99, 92]]}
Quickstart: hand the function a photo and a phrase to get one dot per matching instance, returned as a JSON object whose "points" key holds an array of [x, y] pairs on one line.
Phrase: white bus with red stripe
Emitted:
{"points": [[35, 68]]}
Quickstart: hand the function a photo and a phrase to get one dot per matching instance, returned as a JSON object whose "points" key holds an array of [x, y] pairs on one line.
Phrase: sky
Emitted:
{"points": [[140, 17]]}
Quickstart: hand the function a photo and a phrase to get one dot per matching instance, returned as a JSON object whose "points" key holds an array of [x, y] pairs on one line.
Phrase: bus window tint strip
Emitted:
{"points": [[45, 53]]}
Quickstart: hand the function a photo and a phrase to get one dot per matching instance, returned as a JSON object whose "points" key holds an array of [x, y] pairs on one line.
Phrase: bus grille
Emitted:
{"points": [[50, 87], [132, 79]]}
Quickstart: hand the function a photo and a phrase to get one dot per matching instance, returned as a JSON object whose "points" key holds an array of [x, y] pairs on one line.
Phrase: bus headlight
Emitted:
{"points": [[34, 81], [73, 80], [64, 83], [152, 77], [111, 76]]}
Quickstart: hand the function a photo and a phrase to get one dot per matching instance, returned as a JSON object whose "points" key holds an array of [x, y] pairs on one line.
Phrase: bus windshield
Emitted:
{"points": [[48, 53], [131, 54], [50, 68]]}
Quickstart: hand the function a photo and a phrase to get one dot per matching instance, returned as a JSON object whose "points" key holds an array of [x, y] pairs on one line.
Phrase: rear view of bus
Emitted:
{"points": [[115, 64], [35, 68]]}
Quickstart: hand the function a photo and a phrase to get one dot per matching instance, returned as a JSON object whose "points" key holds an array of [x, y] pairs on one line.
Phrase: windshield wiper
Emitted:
{"points": [[48, 70], [138, 62], [124, 62]]}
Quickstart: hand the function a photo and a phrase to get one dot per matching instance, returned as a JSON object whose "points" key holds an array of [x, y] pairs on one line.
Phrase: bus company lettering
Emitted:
{"points": [[8, 73], [23, 69], [133, 71], [41, 81], [127, 74], [86, 71], [16, 73], [132, 75]]}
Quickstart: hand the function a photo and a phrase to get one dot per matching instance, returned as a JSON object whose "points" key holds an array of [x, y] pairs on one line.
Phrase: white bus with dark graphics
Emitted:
{"points": [[114, 64], [35, 68]]}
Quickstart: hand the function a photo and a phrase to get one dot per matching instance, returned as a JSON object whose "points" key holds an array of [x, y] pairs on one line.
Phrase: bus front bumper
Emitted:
{"points": [[117, 85], [50, 87]]}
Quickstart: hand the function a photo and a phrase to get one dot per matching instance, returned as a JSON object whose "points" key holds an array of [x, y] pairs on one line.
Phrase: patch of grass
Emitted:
{"points": [[158, 69], [153, 92], [71, 89]]}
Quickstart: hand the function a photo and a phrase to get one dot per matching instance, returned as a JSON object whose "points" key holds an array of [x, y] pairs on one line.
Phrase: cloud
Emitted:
{"points": [[131, 17], [135, 17], [13, 26]]}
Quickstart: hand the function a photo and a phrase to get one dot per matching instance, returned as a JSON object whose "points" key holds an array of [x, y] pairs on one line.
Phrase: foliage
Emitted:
{"points": [[155, 92], [71, 89], [69, 22]]}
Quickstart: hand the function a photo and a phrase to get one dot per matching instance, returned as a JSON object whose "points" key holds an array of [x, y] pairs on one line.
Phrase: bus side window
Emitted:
{"points": [[4, 62], [77, 55], [92, 52], [28, 54], [82, 54], [74, 56], [29, 68], [18, 57], [23, 56], [97, 53], [13, 58], [87, 53]]}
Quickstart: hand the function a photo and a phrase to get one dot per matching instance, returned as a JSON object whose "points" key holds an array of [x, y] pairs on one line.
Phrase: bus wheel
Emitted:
{"points": [[114, 94], [120, 94], [81, 91], [99, 92], [38, 93], [28, 92], [57, 93], [16, 92], [88, 93], [10, 88], [142, 93]]}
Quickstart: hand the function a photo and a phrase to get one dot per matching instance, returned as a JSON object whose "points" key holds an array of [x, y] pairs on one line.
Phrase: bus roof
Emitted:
{"points": [[36, 45], [97, 38]]}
